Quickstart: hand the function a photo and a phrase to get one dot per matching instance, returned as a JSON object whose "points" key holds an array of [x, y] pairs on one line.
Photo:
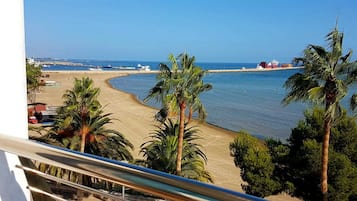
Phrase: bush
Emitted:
{"points": [[252, 156]]}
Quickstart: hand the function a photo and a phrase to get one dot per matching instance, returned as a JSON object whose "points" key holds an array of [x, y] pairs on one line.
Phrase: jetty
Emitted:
{"points": [[253, 69], [63, 63], [157, 71]]}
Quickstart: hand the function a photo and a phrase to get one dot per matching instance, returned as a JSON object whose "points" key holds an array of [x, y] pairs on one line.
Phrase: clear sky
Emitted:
{"points": [[211, 30]]}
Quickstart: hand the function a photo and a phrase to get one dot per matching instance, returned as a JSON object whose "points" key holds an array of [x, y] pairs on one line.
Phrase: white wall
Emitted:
{"points": [[13, 113]]}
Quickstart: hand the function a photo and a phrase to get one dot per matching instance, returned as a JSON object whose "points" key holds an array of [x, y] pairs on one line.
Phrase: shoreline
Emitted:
{"points": [[198, 122], [135, 99], [129, 72], [135, 120]]}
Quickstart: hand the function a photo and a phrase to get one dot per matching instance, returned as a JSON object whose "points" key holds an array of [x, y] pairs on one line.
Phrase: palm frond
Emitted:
{"points": [[298, 85], [335, 39], [82, 111], [155, 92], [320, 51], [317, 94], [160, 152], [351, 69]]}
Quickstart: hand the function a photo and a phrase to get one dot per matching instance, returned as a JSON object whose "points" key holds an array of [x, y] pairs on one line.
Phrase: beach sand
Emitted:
{"points": [[136, 122]]}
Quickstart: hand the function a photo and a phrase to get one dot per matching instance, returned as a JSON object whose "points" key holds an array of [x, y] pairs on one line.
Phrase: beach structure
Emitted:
{"points": [[49, 82], [40, 112]]}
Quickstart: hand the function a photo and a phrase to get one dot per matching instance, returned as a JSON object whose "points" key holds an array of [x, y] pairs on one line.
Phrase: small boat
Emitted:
{"points": [[143, 68], [98, 68]]}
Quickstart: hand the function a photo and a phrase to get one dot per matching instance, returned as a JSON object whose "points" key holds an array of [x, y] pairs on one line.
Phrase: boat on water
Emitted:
{"points": [[143, 68], [97, 68]]}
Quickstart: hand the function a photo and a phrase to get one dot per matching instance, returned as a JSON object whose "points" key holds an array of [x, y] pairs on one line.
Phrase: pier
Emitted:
{"points": [[252, 69]]}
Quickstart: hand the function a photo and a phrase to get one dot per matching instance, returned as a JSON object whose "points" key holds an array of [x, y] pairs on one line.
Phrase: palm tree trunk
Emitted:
{"points": [[324, 158], [190, 115], [83, 132], [180, 138], [83, 139]]}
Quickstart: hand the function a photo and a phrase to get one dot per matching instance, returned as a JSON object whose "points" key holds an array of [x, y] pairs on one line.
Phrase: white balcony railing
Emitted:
{"points": [[140, 179]]}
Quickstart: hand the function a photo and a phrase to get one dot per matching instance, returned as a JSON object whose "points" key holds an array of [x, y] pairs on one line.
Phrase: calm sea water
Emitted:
{"points": [[249, 101], [238, 101]]}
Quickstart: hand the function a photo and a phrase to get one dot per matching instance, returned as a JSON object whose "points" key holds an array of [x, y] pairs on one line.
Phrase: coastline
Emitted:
{"points": [[157, 71], [135, 121], [196, 122]]}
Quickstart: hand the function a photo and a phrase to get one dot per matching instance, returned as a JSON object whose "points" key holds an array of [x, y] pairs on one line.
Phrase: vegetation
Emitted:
{"points": [[33, 75], [305, 150], [178, 87], [270, 166], [252, 156], [80, 125], [160, 152], [325, 80]]}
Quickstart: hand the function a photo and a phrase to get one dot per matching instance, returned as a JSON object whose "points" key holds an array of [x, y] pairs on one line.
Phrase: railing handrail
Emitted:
{"points": [[138, 178]]}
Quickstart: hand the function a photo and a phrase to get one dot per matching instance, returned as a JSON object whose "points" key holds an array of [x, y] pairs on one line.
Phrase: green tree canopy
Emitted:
{"points": [[270, 166], [81, 125], [160, 152], [178, 87], [33, 75], [305, 150], [252, 156], [324, 81]]}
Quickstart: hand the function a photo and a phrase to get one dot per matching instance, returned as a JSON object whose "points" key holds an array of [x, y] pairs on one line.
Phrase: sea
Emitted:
{"points": [[248, 101]]}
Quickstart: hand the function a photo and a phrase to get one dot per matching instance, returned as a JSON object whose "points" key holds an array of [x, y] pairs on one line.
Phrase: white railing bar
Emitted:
{"points": [[37, 190], [68, 183], [138, 178]]}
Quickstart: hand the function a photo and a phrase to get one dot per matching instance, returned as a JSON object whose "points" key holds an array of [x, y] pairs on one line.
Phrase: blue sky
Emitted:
{"points": [[211, 30]]}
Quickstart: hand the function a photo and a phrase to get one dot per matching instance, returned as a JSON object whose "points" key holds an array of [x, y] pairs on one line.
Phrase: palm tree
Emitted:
{"points": [[197, 86], [80, 125], [324, 80], [160, 152], [80, 105], [174, 91], [98, 139]]}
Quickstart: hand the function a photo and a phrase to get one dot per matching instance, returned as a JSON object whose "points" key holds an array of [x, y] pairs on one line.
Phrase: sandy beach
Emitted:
{"points": [[136, 122]]}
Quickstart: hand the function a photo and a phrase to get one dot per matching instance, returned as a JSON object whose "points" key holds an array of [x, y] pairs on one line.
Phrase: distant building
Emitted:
{"points": [[273, 64]]}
